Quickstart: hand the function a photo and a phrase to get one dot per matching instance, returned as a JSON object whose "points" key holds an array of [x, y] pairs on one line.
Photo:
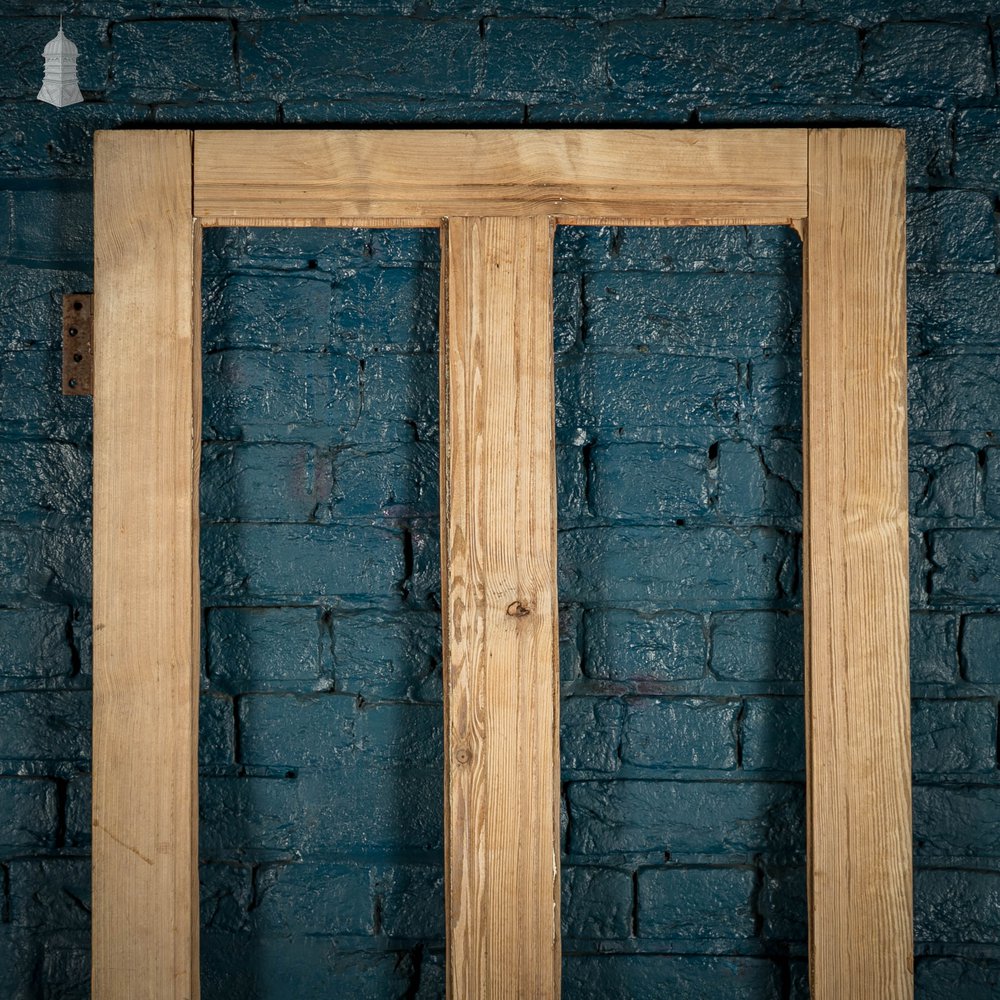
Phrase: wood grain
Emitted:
{"points": [[147, 430], [570, 174], [500, 617], [857, 697]]}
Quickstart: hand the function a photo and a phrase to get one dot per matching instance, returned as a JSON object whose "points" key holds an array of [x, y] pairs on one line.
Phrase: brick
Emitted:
{"points": [[216, 735], [648, 481], [646, 392], [226, 897], [328, 56], [23, 40], [865, 12], [34, 644], [749, 59], [432, 976], [680, 733], [397, 481], [271, 395], [423, 586], [632, 646], [954, 736], [50, 894], [773, 735], [335, 249], [957, 907], [783, 905], [596, 903], [161, 61], [570, 643], [611, 817], [271, 481], [696, 903], [396, 655], [31, 304], [959, 393], [926, 62], [956, 822], [405, 734], [365, 811], [527, 59], [775, 397], [304, 897], [946, 978], [52, 223], [276, 965], [726, 252], [412, 901], [31, 386], [991, 492], [950, 230], [934, 648], [944, 482], [681, 977], [50, 143], [386, 110], [299, 563], [29, 808], [966, 564], [200, 113], [591, 734], [717, 314], [977, 146], [757, 646], [262, 648], [400, 397], [376, 307], [78, 812], [758, 483], [279, 730], [680, 566], [6, 222], [45, 726], [287, 310], [571, 481], [928, 130], [42, 478], [567, 309], [980, 650]]}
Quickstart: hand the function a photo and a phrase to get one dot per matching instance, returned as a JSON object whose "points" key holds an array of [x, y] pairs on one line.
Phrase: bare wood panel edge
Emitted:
{"points": [[857, 599], [430, 174], [500, 610], [146, 434], [429, 222]]}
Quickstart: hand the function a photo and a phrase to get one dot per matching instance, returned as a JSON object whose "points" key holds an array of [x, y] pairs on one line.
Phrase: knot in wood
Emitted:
{"points": [[518, 610]]}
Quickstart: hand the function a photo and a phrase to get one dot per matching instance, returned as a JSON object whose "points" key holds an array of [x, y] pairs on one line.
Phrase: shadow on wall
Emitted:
{"points": [[679, 422], [321, 833]]}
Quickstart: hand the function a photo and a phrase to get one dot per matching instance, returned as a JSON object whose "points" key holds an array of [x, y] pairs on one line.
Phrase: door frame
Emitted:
{"points": [[496, 196]]}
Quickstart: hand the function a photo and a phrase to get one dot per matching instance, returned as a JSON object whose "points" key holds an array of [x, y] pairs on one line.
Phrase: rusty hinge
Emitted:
{"points": [[78, 345]]}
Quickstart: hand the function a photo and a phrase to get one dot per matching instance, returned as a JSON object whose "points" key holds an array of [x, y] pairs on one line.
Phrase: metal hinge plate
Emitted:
{"points": [[78, 345]]}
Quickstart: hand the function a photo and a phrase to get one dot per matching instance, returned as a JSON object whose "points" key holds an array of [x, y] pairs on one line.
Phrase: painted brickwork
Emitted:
{"points": [[680, 506]]}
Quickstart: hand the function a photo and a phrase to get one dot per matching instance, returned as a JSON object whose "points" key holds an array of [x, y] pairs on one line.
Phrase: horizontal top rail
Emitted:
{"points": [[417, 177]]}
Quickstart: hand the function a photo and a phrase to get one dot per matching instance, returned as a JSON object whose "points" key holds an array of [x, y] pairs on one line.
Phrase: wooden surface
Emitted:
{"points": [[500, 616], [147, 430], [498, 501], [857, 701], [754, 175]]}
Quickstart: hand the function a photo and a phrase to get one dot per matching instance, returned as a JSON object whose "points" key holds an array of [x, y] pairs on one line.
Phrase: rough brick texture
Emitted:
{"points": [[680, 486]]}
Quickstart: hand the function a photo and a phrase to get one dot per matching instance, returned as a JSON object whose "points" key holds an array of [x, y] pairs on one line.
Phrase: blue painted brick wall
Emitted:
{"points": [[679, 461]]}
